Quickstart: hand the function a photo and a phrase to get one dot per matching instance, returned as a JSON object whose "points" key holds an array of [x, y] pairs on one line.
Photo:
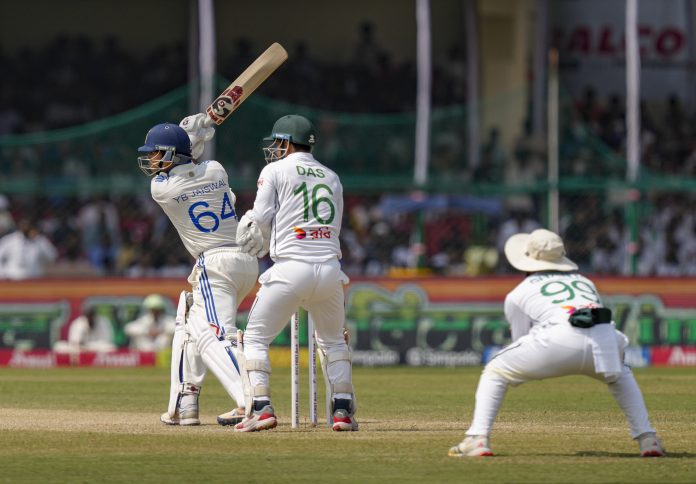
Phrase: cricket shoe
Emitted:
{"points": [[165, 418], [344, 421], [233, 417], [650, 445], [472, 446], [263, 419], [181, 417]]}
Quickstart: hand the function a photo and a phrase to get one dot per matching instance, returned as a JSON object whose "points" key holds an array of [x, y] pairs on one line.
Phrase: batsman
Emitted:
{"points": [[299, 202], [196, 196]]}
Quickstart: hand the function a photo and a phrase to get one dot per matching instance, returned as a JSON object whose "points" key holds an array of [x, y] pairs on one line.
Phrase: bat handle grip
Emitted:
{"points": [[207, 122]]}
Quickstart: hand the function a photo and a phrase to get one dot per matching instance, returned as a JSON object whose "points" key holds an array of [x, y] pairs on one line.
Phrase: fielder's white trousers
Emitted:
{"points": [[558, 351], [220, 280], [285, 287]]}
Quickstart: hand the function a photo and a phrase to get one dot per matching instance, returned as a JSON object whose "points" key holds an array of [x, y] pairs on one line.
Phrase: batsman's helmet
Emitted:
{"points": [[294, 128], [170, 139]]}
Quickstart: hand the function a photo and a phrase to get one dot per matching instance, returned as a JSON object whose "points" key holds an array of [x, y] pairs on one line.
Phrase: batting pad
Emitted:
{"points": [[222, 364], [175, 369], [187, 366]]}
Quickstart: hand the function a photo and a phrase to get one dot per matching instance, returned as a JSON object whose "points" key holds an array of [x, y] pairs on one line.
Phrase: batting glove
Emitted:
{"points": [[198, 133]]}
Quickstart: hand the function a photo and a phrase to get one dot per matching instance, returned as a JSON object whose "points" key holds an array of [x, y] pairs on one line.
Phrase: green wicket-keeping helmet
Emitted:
{"points": [[294, 128]]}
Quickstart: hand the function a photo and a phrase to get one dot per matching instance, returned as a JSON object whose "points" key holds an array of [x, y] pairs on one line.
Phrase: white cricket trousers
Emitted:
{"points": [[557, 351], [286, 286], [220, 280]]}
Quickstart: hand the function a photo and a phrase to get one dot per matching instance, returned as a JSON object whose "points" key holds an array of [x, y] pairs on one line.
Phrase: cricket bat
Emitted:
{"points": [[247, 82]]}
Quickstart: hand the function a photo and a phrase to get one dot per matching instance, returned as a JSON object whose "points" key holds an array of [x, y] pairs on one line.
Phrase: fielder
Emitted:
{"points": [[559, 327], [300, 202], [197, 199], [152, 330]]}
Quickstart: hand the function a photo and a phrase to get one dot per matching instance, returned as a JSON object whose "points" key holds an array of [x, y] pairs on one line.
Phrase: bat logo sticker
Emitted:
{"points": [[227, 102]]}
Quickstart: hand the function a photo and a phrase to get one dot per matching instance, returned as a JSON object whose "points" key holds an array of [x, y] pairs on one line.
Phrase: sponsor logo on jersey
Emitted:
{"points": [[320, 233], [312, 233], [572, 309]]}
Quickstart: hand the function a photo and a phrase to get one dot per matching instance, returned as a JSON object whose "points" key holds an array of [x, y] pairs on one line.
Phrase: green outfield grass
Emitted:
{"points": [[86, 425]]}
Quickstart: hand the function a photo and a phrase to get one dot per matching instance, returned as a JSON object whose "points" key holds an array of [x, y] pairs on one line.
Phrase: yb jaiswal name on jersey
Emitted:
{"points": [[209, 188]]}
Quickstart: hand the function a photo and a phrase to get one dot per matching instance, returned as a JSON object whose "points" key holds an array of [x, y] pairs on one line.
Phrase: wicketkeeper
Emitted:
{"points": [[299, 202]]}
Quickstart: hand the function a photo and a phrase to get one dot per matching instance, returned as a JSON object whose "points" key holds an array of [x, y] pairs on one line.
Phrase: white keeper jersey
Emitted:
{"points": [[548, 298], [198, 201], [302, 200]]}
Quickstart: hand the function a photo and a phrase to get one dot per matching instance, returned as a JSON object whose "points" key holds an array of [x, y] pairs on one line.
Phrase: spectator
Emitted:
{"points": [[99, 221], [519, 221], [367, 50], [491, 168], [6, 220], [89, 332], [153, 330], [25, 253]]}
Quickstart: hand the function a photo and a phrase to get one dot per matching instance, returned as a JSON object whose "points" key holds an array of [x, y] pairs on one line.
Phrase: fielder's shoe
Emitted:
{"points": [[263, 419], [165, 418], [344, 421], [232, 417], [650, 445], [472, 446]]}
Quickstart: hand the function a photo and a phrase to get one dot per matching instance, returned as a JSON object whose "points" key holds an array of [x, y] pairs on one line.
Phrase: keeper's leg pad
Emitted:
{"points": [[222, 363], [336, 367], [254, 391]]}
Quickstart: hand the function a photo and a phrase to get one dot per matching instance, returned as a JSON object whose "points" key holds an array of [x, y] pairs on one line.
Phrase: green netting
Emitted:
{"points": [[98, 156], [53, 174], [368, 150]]}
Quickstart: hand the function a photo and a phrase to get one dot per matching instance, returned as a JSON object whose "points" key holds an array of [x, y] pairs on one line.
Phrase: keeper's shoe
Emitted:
{"points": [[650, 445], [472, 446], [344, 421], [233, 417], [263, 419]]}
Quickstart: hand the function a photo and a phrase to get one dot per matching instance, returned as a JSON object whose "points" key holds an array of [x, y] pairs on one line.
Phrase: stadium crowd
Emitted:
{"points": [[82, 69], [127, 236]]}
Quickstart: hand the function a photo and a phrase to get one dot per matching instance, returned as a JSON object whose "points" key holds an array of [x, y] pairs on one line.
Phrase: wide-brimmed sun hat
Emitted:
{"points": [[541, 250]]}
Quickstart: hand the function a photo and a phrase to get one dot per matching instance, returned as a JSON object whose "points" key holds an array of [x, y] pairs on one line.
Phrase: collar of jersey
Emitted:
{"points": [[299, 155], [184, 166]]}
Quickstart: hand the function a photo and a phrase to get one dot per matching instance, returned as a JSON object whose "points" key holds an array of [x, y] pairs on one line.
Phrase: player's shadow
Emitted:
{"points": [[630, 455]]}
